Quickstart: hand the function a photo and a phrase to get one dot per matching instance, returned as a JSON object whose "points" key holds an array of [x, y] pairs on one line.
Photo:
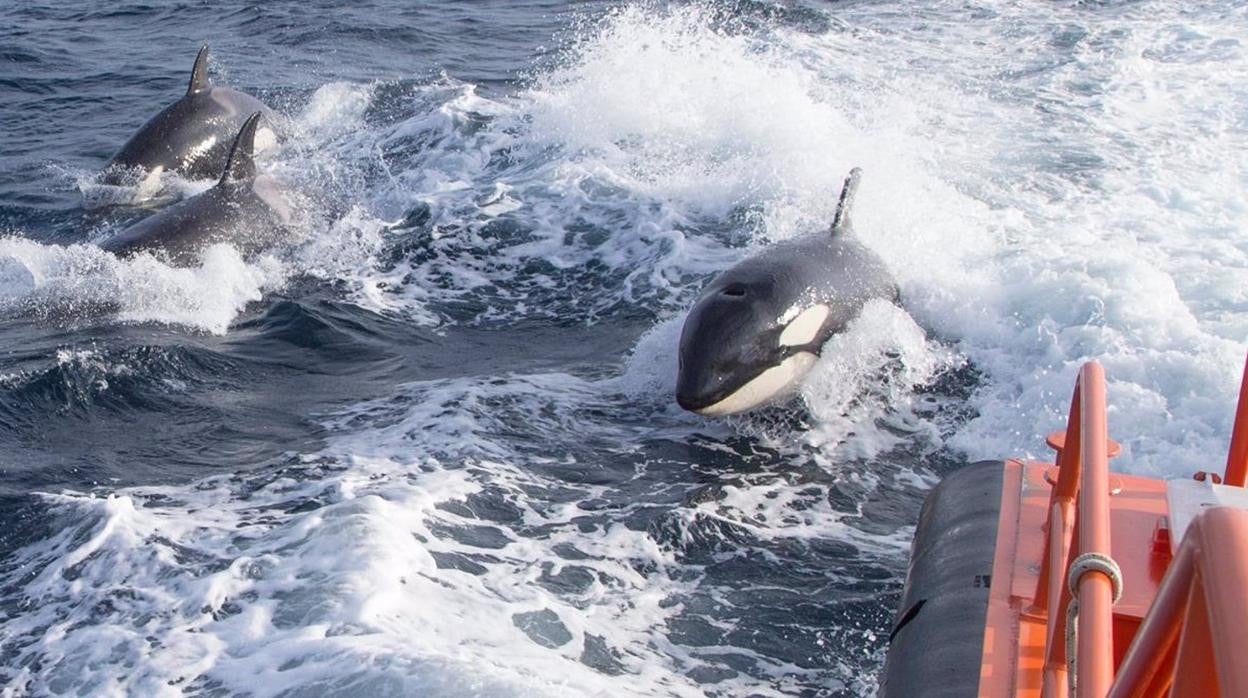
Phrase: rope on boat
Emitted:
{"points": [[1087, 562]]}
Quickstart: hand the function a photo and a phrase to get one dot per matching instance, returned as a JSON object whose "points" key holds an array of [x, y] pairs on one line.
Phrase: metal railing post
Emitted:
{"points": [[1095, 588], [1211, 566], [1051, 593], [1237, 456]]}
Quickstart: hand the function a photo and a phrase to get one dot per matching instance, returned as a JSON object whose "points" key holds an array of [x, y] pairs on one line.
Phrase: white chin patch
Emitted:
{"points": [[768, 385], [805, 327]]}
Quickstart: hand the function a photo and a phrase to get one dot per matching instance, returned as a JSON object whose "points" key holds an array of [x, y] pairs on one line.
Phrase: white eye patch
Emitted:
{"points": [[805, 327]]}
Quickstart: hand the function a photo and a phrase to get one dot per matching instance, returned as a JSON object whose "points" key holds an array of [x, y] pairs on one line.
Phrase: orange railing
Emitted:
{"points": [[1237, 456], [1187, 645], [1083, 467], [1189, 641]]}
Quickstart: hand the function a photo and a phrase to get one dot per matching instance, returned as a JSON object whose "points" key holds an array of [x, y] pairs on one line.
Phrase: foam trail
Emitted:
{"points": [[306, 580], [1092, 216], [78, 280], [549, 533]]}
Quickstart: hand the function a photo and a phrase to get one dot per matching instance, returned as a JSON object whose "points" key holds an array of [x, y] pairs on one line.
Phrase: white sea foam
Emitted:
{"points": [[861, 393], [83, 280], [390, 582], [150, 190], [1107, 203], [1106, 224], [415, 554]]}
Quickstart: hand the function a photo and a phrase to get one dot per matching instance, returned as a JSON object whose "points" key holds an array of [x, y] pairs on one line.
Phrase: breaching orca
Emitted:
{"points": [[757, 329], [244, 209], [192, 136]]}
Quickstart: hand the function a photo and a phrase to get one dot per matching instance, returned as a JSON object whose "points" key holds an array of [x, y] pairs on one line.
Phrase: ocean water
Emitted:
{"points": [[433, 448]]}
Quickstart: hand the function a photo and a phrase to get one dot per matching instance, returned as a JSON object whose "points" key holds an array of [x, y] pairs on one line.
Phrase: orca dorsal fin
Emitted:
{"points": [[840, 222], [242, 164], [199, 74]]}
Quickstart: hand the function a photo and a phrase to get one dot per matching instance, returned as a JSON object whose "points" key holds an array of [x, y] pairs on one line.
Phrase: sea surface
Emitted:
{"points": [[432, 447]]}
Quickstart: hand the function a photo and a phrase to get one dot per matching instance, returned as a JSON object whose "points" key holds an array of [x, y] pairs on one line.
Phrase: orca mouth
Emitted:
{"points": [[695, 403], [704, 387], [715, 396], [696, 398]]}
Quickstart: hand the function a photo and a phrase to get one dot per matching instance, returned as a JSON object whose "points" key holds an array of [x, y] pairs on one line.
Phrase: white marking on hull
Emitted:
{"points": [[805, 327], [768, 385]]}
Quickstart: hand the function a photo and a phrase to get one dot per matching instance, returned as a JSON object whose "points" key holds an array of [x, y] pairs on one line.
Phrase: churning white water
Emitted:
{"points": [[1049, 182]]}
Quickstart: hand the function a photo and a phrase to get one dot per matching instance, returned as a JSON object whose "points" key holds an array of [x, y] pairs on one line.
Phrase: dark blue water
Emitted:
{"points": [[431, 446], [101, 399], [78, 81]]}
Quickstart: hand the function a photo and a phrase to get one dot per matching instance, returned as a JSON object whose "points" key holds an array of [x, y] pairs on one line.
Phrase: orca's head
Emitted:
{"points": [[742, 345]]}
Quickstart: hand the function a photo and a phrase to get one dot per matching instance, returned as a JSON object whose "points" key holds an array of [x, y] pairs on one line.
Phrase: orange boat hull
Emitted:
{"points": [[1015, 633], [1076, 580]]}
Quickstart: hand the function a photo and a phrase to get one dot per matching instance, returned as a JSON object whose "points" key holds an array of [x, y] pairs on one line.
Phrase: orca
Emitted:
{"points": [[192, 136], [758, 328], [245, 209]]}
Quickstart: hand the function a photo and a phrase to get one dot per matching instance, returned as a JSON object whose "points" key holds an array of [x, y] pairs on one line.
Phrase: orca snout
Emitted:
{"points": [[691, 399], [703, 381], [697, 381], [717, 348], [686, 390]]}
